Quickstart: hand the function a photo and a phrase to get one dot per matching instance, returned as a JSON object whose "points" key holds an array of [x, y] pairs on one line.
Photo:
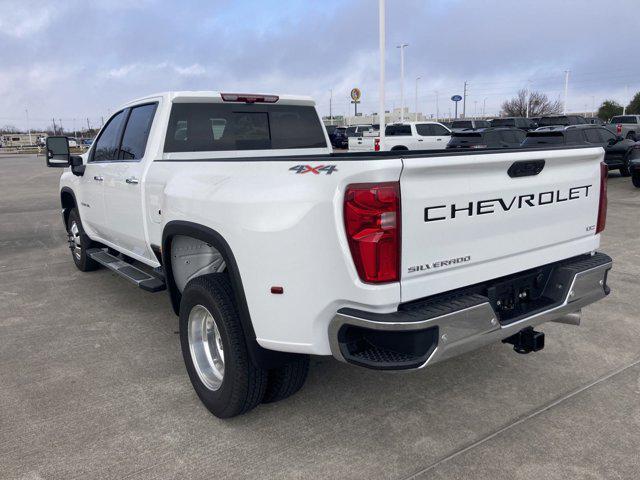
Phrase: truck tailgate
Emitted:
{"points": [[465, 219], [361, 144]]}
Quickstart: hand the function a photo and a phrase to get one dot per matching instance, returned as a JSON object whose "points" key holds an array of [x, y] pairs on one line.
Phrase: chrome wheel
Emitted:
{"points": [[74, 240], [205, 345]]}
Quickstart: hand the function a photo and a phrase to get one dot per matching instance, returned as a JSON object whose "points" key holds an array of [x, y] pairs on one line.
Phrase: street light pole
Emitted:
{"points": [[566, 91], [416, 105], [26, 111], [402, 47], [331, 105], [626, 98], [528, 97], [381, 35], [437, 108], [484, 107]]}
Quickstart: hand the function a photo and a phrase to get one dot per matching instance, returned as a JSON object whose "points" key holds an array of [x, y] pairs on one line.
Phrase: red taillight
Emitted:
{"points": [[249, 98], [376, 144], [619, 129], [602, 207], [372, 222]]}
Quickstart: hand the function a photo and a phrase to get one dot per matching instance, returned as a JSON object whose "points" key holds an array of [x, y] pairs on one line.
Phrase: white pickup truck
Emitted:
{"points": [[405, 136], [272, 248]]}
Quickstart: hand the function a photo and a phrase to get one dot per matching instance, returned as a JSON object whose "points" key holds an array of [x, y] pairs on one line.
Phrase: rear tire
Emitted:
{"points": [[79, 242], [214, 348], [635, 179], [624, 171], [286, 380], [631, 136]]}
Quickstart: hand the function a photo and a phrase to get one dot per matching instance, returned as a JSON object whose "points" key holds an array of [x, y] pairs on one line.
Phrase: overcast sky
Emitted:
{"points": [[77, 59]]}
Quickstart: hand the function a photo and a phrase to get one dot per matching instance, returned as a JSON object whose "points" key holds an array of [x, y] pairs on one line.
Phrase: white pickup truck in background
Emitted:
{"points": [[405, 136], [272, 248]]}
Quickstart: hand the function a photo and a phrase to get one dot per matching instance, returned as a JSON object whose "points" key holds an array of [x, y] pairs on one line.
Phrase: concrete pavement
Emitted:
{"points": [[92, 383]]}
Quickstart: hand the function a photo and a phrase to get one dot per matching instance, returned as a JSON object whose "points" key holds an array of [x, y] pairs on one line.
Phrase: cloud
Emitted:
{"points": [[83, 59]]}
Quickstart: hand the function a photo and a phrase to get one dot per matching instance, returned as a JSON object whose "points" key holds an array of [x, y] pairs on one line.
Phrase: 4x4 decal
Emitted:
{"points": [[326, 169]]}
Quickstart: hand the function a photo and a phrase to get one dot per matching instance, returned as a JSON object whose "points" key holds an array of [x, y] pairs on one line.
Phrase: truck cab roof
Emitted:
{"points": [[206, 96]]}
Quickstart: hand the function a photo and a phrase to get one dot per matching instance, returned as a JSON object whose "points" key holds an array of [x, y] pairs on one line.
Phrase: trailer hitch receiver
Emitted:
{"points": [[526, 340]]}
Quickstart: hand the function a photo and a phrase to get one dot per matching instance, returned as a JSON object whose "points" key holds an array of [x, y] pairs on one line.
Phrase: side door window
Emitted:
{"points": [[592, 136], [492, 139], [107, 144], [425, 130], [440, 131], [606, 135], [136, 132]]}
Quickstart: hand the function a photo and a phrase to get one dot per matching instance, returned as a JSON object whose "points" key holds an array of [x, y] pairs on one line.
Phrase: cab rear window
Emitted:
{"points": [[203, 127]]}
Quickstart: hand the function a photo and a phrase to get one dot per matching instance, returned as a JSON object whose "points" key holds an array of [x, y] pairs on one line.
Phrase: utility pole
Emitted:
{"points": [[55, 131], [528, 96], [437, 108], [464, 101], [88, 125], [566, 91], [402, 47], [381, 35], [331, 105], [416, 106], [626, 98], [26, 111]]}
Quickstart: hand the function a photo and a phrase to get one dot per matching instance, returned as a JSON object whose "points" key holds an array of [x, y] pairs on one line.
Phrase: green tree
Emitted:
{"points": [[634, 105], [608, 109]]}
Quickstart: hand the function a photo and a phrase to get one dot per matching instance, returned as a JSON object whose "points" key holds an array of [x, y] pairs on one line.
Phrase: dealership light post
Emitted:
{"points": [[381, 114], [528, 97], [26, 111], [566, 91], [331, 105], [416, 105], [402, 47]]}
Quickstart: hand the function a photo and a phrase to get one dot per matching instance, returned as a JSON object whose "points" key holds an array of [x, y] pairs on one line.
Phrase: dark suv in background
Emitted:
{"points": [[563, 120], [515, 122], [337, 136], [469, 124], [499, 137], [617, 150]]}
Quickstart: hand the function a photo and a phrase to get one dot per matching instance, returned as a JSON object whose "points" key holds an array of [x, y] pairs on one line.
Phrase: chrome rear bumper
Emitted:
{"points": [[453, 326]]}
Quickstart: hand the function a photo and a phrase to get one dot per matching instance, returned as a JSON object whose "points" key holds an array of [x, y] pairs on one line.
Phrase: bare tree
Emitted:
{"points": [[9, 129], [539, 105]]}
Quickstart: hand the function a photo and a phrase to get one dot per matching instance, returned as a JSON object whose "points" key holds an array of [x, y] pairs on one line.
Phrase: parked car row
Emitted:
{"points": [[620, 152]]}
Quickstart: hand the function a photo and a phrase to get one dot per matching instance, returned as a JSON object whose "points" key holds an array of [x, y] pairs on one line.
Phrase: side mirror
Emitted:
{"points": [[57, 152], [77, 165], [619, 138]]}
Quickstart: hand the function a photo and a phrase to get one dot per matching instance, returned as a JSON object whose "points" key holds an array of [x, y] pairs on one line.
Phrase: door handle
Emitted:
{"points": [[132, 180], [438, 139], [98, 178], [420, 140]]}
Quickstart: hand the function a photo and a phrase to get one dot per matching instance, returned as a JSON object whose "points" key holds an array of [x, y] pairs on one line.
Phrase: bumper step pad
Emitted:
{"points": [[139, 277]]}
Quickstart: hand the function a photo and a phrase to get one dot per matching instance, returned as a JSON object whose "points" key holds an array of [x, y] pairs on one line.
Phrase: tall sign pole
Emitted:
{"points": [[381, 29], [566, 91], [402, 47]]}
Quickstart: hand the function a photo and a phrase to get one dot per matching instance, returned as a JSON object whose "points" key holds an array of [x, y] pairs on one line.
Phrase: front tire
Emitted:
{"points": [[79, 242], [635, 179], [214, 348]]}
